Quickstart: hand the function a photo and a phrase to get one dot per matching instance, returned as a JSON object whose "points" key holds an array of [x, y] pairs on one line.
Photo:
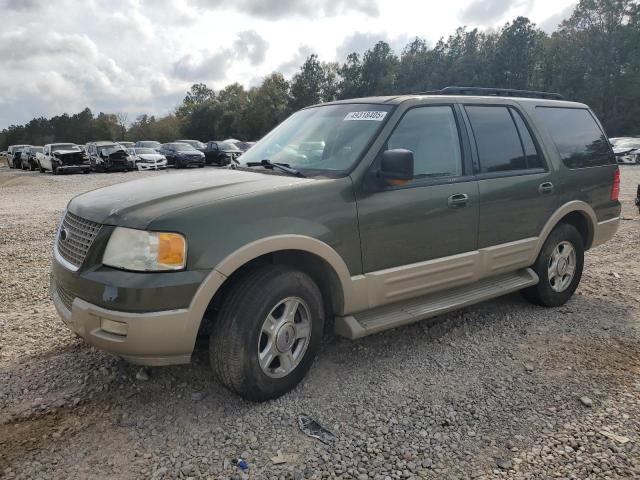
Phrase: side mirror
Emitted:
{"points": [[396, 166]]}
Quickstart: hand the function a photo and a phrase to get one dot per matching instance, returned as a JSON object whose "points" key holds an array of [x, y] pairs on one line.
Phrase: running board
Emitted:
{"points": [[403, 313]]}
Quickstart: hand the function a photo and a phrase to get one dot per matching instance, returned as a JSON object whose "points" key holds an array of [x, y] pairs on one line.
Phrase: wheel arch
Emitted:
{"points": [[314, 257], [577, 213]]}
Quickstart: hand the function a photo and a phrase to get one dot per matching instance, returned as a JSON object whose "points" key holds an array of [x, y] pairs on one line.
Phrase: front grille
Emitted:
{"points": [[78, 235], [66, 297]]}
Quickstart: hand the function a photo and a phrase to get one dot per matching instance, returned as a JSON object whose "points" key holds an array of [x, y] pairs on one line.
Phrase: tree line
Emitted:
{"points": [[592, 57]]}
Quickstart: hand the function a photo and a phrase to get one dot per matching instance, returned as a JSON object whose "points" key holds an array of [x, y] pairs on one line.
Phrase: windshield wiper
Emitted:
{"points": [[266, 163]]}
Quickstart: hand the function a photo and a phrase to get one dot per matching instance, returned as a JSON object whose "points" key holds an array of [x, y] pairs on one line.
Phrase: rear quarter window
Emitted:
{"points": [[579, 139]]}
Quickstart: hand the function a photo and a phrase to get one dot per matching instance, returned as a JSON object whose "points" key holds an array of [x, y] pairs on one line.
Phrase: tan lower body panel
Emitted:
{"points": [[403, 313], [410, 281], [157, 338]]}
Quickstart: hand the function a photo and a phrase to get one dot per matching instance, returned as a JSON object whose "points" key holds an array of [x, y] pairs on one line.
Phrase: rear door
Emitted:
{"points": [[518, 189]]}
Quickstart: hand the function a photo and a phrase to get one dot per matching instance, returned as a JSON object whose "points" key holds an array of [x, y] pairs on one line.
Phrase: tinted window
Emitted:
{"points": [[497, 140], [580, 141], [431, 134], [533, 158]]}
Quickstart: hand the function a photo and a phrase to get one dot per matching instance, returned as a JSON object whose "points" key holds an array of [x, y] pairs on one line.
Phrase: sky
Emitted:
{"points": [[141, 56]]}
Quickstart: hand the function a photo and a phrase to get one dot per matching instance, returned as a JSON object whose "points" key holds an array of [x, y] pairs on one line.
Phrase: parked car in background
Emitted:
{"points": [[127, 144], [19, 154], [197, 144], [627, 151], [182, 155], [14, 152], [147, 144], [29, 159], [147, 159], [62, 158], [108, 156], [221, 153]]}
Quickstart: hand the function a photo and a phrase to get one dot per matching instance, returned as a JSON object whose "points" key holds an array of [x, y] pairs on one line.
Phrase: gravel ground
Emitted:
{"points": [[500, 390]]}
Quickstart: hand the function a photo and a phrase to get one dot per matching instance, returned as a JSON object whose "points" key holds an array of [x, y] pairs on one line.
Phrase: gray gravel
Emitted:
{"points": [[500, 390]]}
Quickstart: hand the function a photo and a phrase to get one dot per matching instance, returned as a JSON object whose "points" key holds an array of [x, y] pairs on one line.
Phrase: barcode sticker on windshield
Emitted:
{"points": [[366, 115]]}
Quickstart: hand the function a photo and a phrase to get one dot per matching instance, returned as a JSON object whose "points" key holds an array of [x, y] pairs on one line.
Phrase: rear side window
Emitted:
{"points": [[579, 140], [502, 146]]}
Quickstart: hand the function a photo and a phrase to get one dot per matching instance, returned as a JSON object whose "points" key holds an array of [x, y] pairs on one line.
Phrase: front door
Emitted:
{"points": [[435, 215]]}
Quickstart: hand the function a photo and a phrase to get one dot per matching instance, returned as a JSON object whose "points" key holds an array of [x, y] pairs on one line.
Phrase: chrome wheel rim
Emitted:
{"points": [[284, 337], [562, 266]]}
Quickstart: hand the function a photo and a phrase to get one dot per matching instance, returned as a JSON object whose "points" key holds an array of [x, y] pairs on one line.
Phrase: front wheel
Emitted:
{"points": [[559, 267], [267, 333]]}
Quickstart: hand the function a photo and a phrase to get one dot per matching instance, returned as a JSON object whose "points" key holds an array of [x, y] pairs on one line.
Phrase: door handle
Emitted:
{"points": [[458, 200], [545, 188]]}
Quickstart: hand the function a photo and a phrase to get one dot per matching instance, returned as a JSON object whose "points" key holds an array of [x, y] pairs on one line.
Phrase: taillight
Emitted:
{"points": [[615, 189]]}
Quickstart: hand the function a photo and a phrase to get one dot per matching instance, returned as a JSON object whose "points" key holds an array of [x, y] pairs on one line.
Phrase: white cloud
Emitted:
{"points": [[141, 56]]}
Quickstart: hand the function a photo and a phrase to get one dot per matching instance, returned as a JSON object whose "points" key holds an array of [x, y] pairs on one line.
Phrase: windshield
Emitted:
{"points": [[183, 147], [228, 146], [36, 149], [193, 143], [109, 149], [149, 144], [324, 138], [144, 151], [63, 146]]}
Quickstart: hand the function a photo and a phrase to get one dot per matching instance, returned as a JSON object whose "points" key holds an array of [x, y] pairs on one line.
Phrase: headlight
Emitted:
{"points": [[144, 251]]}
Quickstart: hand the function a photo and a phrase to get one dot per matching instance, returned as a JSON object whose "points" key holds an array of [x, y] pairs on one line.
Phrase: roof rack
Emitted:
{"points": [[494, 92]]}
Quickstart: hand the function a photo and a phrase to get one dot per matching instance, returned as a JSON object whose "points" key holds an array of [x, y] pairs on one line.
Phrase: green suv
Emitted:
{"points": [[362, 214]]}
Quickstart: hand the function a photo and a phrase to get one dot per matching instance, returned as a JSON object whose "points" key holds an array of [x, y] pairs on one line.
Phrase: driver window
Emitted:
{"points": [[431, 134]]}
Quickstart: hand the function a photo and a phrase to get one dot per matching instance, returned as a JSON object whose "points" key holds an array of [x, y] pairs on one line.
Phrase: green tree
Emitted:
{"points": [[266, 107], [379, 66]]}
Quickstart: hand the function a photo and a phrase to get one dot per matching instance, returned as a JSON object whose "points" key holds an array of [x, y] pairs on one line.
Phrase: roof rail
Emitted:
{"points": [[494, 92]]}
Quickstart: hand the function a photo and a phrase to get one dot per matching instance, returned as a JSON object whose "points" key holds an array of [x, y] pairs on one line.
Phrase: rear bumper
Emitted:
{"points": [[604, 231]]}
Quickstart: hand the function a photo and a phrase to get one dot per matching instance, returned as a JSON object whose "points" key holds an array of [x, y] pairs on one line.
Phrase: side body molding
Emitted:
{"points": [[374, 289]]}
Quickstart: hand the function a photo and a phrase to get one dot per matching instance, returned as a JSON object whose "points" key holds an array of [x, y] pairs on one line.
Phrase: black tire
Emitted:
{"points": [[543, 294], [235, 339], [42, 170], [54, 169], [201, 166]]}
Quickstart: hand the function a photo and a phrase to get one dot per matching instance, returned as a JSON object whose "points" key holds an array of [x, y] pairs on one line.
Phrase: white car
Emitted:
{"points": [[628, 151], [62, 158], [147, 158]]}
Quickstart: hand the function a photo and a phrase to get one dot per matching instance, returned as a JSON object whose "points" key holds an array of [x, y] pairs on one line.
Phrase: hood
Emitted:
{"points": [[58, 153], [625, 150], [151, 157], [135, 204]]}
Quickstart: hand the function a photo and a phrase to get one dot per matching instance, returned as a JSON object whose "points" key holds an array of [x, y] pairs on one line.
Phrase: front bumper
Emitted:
{"points": [[74, 168], [154, 339], [151, 166], [157, 315]]}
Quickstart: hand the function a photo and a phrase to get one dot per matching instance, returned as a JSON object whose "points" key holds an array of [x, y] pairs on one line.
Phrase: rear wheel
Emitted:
{"points": [[559, 267], [267, 333]]}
